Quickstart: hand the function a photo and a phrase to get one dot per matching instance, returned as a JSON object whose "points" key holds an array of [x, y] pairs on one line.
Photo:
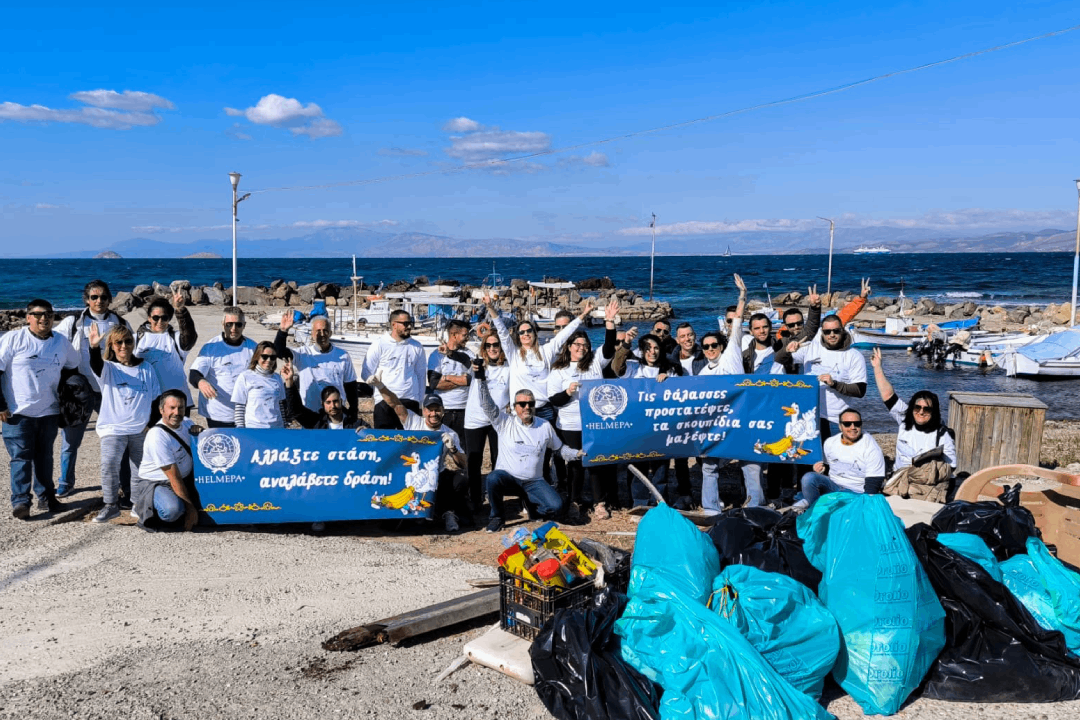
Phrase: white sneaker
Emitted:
{"points": [[800, 506], [134, 515], [451, 522]]}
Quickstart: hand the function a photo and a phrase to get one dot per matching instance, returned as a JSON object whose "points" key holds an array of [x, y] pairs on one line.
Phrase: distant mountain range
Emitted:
{"points": [[344, 242]]}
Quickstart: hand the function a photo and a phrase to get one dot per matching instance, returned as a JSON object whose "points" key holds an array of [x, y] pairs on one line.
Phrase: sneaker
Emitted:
{"points": [[21, 512], [107, 513], [46, 504], [134, 515], [315, 527], [125, 503], [495, 525], [64, 491], [600, 512], [451, 523], [800, 506]]}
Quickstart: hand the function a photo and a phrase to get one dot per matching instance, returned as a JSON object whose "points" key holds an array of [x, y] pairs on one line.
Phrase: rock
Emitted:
{"points": [[125, 302], [1035, 317], [282, 292], [250, 296], [219, 286], [575, 297], [603, 283], [331, 301], [954, 312], [969, 308], [307, 292], [162, 290], [329, 290], [890, 309], [279, 302], [214, 295], [992, 322], [926, 306], [142, 291], [198, 296], [1063, 314], [180, 285], [275, 284], [1018, 315], [292, 284], [517, 284]]}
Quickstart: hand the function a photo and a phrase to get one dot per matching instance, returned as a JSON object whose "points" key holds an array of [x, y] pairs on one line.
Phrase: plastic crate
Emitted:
{"points": [[524, 605]]}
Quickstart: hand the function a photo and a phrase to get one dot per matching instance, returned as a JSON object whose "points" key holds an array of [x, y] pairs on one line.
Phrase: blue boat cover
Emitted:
{"points": [[1057, 346]]}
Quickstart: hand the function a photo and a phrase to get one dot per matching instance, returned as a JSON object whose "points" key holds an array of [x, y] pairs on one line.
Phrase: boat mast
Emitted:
{"points": [[1076, 257], [652, 256], [832, 227]]}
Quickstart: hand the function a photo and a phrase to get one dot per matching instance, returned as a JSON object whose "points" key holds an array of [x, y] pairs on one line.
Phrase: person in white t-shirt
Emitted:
{"points": [[33, 362], [449, 375], [400, 362], [451, 493], [840, 368], [320, 365], [129, 389], [258, 396], [163, 490], [221, 360], [159, 344], [853, 463], [478, 429], [96, 296]]}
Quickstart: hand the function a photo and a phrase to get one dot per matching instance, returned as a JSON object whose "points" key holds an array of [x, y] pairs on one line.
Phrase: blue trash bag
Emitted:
{"points": [[891, 620], [706, 668], [783, 620], [669, 543], [975, 549], [1049, 591]]}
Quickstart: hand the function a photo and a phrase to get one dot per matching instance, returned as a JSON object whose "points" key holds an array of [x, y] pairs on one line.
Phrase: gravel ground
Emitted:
{"points": [[109, 621]]}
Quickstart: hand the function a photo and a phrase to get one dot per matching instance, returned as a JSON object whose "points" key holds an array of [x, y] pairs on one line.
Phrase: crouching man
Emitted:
{"points": [[853, 463], [164, 491], [523, 440]]}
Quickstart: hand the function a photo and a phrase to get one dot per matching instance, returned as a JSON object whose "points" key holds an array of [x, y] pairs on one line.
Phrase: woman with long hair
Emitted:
{"points": [[259, 393], [129, 388], [478, 428], [574, 365]]}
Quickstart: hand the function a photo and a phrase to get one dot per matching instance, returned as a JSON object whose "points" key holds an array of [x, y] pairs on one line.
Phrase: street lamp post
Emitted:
{"points": [[1076, 257], [832, 227], [234, 178], [652, 254]]}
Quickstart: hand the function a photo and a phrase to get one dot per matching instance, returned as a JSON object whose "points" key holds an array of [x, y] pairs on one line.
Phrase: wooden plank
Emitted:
{"points": [[416, 622], [997, 399]]}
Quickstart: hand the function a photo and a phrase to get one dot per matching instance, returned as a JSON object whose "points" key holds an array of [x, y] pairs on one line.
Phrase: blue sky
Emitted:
{"points": [[124, 122]]}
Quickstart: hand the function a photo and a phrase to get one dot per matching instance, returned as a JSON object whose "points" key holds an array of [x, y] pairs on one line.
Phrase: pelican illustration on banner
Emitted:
{"points": [[799, 429]]}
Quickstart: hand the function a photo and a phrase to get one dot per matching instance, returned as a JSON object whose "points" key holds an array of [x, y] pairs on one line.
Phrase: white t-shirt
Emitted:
{"points": [[403, 366], [127, 398], [636, 369], [847, 366], [458, 397], [320, 369], [850, 465], [163, 353], [31, 368], [914, 442], [261, 396], [559, 380], [687, 365], [220, 365], [531, 372], [160, 449], [522, 447], [416, 422], [498, 383], [81, 338]]}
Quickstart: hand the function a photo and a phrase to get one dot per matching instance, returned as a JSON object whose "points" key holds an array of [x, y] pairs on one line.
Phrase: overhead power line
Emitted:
{"points": [[673, 126]]}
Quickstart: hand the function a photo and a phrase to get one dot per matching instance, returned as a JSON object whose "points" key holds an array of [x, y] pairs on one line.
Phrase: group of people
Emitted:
{"points": [[519, 397]]}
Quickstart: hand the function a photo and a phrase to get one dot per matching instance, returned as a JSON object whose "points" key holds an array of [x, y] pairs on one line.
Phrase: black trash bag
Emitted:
{"points": [[765, 539], [1004, 526], [995, 651], [579, 673]]}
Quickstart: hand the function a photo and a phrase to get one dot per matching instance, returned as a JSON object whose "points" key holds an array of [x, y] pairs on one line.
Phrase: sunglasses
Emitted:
{"points": [[264, 356], [851, 423], [525, 403], [98, 297], [526, 331], [158, 318], [39, 315], [793, 325], [492, 345], [579, 344], [405, 323], [922, 408], [234, 324], [830, 331], [125, 341], [710, 346], [661, 332]]}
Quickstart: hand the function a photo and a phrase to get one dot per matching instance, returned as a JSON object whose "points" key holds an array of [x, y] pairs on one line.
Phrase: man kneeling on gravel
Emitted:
{"points": [[164, 491]]}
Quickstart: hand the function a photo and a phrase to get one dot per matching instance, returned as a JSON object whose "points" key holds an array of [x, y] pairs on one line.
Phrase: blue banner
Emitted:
{"points": [[275, 476], [766, 419]]}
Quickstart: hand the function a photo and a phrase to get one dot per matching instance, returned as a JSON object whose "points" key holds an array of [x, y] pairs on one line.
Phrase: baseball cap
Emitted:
{"points": [[432, 399]]}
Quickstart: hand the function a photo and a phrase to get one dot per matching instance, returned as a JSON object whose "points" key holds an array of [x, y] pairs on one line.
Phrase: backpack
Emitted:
{"points": [[76, 398]]}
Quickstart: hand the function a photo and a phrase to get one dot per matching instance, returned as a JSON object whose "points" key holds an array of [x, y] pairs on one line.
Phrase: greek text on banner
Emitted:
{"points": [[767, 419]]}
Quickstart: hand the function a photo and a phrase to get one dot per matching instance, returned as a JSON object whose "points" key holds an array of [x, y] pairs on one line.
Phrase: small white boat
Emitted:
{"points": [[1052, 356], [867, 250], [899, 333]]}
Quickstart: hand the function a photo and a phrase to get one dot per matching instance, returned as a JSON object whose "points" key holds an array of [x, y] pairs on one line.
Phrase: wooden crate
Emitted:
{"points": [[995, 429]]}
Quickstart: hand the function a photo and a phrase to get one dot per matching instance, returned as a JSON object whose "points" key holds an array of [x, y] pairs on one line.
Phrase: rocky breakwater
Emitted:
{"points": [[993, 318], [518, 296]]}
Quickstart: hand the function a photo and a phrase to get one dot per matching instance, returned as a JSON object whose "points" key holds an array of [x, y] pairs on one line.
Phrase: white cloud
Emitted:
{"points": [[319, 224], [155, 229], [128, 100], [697, 227], [462, 125], [279, 111], [46, 206], [596, 159], [402, 152], [236, 133], [106, 109], [492, 144]]}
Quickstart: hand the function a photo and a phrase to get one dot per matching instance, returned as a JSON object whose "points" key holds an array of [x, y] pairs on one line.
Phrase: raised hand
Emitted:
{"points": [[287, 374], [177, 299], [287, 320], [875, 358], [812, 297], [94, 334], [628, 338], [611, 311], [586, 307], [573, 388], [741, 285], [793, 346], [865, 292]]}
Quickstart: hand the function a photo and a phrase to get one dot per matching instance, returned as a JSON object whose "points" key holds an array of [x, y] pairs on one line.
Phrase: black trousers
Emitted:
{"points": [[455, 420], [386, 419], [476, 438]]}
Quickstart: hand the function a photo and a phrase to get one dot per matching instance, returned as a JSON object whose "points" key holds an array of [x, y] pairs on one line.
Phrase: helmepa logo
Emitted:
{"points": [[607, 401], [218, 452]]}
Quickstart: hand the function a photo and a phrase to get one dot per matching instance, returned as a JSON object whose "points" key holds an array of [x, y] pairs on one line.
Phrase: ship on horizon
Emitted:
{"points": [[877, 250]]}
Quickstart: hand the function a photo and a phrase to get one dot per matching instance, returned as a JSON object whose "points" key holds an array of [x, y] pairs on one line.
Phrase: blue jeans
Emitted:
{"points": [[118, 452], [71, 438], [536, 491], [751, 473], [814, 485], [29, 443], [710, 483], [168, 507]]}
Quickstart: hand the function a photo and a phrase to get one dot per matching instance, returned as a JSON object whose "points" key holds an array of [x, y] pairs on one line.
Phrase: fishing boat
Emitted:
{"points": [[1052, 356], [867, 250], [899, 334]]}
